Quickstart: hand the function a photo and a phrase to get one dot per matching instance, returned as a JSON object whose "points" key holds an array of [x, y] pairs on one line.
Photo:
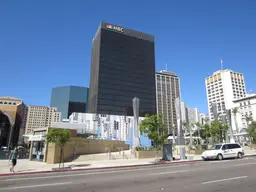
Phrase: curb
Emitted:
{"points": [[98, 168], [105, 168]]}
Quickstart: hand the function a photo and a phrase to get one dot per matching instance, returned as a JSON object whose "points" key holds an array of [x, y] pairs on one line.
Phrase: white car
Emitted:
{"points": [[223, 151]]}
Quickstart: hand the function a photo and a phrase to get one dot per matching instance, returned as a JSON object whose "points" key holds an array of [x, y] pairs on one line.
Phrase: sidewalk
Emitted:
{"points": [[26, 166]]}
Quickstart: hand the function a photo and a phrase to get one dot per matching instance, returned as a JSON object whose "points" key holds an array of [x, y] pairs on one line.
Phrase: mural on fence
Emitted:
{"points": [[113, 127]]}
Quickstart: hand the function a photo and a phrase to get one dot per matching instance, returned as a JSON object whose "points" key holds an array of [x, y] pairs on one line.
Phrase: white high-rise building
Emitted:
{"points": [[193, 115], [167, 90], [204, 118], [41, 117], [184, 112], [222, 88]]}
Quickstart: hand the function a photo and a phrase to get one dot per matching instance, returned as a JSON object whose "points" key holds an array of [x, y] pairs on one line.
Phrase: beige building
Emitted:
{"points": [[167, 90], [222, 88], [40, 117], [14, 109]]}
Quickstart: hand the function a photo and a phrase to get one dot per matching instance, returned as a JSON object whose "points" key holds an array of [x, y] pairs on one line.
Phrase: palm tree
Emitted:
{"points": [[252, 131], [199, 127], [235, 111], [248, 119], [188, 127]]}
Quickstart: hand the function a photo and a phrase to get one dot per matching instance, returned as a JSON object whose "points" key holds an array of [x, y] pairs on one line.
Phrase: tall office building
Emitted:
{"points": [[184, 112], [222, 88], [122, 67], [167, 90], [41, 117], [193, 115], [70, 99]]}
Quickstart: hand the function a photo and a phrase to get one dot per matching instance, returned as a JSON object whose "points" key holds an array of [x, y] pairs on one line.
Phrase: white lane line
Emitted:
{"points": [[221, 180], [163, 173], [33, 186], [244, 164], [84, 174]]}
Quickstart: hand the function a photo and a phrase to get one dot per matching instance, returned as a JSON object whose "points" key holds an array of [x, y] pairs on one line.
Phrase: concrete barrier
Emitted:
{"points": [[148, 154], [80, 146]]}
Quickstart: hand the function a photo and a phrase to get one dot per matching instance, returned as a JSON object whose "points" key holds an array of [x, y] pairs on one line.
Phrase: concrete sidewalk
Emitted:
{"points": [[26, 166]]}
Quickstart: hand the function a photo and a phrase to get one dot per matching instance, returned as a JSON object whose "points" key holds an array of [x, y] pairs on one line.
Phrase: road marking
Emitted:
{"points": [[163, 173], [244, 164], [221, 180], [84, 174], [33, 186]]}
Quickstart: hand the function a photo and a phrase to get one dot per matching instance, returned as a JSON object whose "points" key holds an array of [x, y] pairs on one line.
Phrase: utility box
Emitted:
{"points": [[167, 152], [182, 153]]}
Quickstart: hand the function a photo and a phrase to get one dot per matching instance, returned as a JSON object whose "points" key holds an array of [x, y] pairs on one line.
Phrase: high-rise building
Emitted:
{"points": [[41, 117], [167, 90], [193, 115], [12, 121], [122, 67], [69, 99], [222, 88], [204, 118], [184, 112]]}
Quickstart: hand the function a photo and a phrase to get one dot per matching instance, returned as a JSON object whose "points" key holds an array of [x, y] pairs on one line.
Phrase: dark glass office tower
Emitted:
{"points": [[69, 99], [122, 67]]}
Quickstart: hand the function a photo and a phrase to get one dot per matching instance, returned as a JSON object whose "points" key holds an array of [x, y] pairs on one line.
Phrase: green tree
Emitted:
{"points": [[59, 137], [204, 132], [218, 131], [188, 128], [252, 131], [198, 131], [155, 129]]}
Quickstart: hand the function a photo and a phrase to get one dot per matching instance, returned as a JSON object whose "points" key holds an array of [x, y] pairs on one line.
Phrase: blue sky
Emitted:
{"points": [[44, 44]]}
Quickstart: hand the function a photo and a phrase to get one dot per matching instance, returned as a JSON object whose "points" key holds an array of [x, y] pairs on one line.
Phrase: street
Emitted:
{"points": [[227, 175]]}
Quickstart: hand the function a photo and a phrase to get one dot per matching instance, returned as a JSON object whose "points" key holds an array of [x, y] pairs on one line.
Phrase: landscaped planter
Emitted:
{"points": [[148, 154], [196, 152]]}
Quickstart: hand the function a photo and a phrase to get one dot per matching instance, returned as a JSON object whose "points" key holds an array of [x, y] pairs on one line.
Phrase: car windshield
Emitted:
{"points": [[215, 147]]}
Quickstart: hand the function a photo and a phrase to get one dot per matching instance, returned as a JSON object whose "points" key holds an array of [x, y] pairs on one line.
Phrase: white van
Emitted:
{"points": [[223, 151]]}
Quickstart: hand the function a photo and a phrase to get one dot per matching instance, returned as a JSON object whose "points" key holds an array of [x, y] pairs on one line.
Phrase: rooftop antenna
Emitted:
{"points": [[221, 64], [166, 66]]}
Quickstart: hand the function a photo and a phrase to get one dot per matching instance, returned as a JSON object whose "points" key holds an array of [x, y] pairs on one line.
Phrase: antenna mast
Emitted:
{"points": [[221, 64]]}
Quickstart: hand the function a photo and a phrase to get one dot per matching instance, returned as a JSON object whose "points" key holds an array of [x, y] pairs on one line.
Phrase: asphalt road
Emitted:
{"points": [[228, 175]]}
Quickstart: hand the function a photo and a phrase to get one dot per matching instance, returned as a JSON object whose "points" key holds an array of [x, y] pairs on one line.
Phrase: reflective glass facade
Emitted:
{"points": [[69, 99], [122, 67]]}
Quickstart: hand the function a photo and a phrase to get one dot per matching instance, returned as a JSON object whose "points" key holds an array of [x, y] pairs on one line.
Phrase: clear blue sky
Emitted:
{"points": [[44, 44]]}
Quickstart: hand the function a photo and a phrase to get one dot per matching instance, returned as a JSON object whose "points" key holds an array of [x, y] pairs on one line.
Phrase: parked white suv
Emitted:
{"points": [[223, 151]]}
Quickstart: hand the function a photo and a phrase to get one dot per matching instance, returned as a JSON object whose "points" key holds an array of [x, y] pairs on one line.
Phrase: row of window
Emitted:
{"points": [[7, 103]]}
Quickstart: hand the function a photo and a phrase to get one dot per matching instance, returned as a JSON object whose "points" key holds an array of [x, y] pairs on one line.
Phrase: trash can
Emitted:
{"points": [[167, 152]]}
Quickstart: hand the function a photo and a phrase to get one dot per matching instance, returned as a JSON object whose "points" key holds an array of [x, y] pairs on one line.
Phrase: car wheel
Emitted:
{"points": [[220, 157], [239, 155]]}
